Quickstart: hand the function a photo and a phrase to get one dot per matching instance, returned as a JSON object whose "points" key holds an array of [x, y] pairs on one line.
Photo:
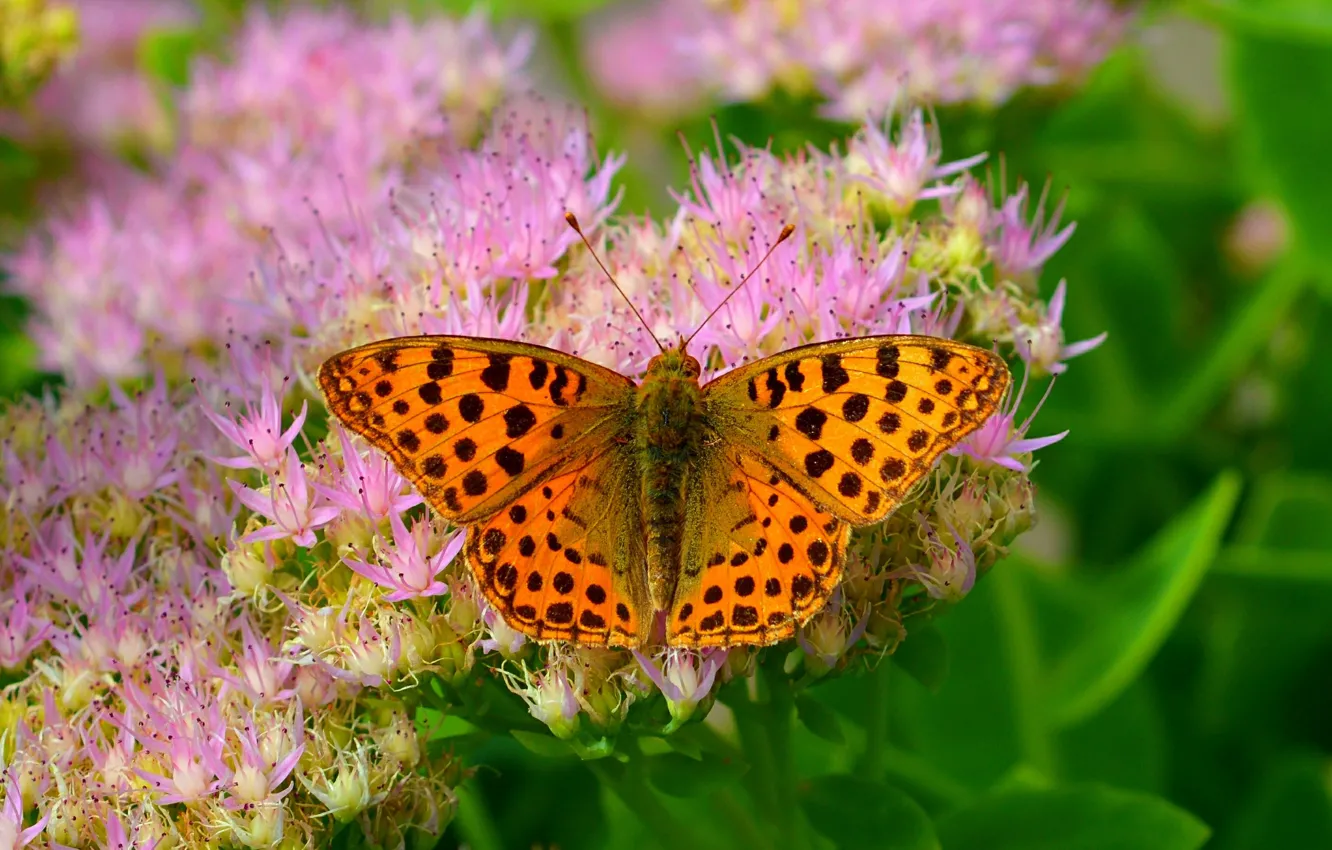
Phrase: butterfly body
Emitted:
{"points": [[597, 507], [670, 425]]}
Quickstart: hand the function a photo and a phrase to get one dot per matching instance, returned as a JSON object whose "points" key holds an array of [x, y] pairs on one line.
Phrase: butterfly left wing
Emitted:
{"points": [[473, 423], [566, 559], [855, 423]]}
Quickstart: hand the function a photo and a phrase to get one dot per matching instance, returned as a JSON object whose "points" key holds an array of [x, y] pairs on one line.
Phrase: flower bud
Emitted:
{"points": [[248, 568]]}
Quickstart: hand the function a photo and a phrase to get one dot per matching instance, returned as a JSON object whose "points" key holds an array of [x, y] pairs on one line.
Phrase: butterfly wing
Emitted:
{"points": [[854, 423], [566, 560], [759, 556], [474, 423]]}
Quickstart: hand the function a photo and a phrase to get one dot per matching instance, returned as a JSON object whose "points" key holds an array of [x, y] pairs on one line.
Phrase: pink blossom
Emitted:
{"points": [[684, 676], [369, 484], [951, 572], [550, 698], [182, 725], [1019, 249], [405, 568], [259, 778], [1001, 441], [12, 832], [261, 674], [258, 432], [1041, 344], [901, 166], [20, 633], [289, 502]]}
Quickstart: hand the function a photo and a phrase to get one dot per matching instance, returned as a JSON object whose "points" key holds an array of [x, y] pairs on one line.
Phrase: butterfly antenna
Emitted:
{"points": [[787, 230], [573, 222]]}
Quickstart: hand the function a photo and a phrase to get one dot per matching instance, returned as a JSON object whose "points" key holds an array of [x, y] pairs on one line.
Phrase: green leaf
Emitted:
{"points": [[924, 655], [819, 719], [1124, 744], [1288, 511], [1141, 606], [164, 55], [440, 725], [1291, 808], [969, 730], [1281, 89], [1311, 22], [542, 744], [1086, 818], [680, 776], [865, 814]]}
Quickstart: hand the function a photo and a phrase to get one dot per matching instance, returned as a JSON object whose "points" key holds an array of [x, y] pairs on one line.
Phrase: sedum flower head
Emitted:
{"points": [[858, 56]]}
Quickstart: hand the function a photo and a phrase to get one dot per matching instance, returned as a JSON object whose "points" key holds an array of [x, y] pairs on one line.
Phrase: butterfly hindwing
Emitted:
{"points": [[565, 560], [764, 560], [473, 422], [855, 423]]}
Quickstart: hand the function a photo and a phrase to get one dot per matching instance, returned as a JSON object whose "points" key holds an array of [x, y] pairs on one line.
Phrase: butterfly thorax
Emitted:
{"points": [[671, 427]]}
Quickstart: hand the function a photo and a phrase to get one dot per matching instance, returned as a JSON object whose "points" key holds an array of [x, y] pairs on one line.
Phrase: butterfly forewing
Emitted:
{"points": [[566, 559], [473, 422], [855, 423], [765, 561]]}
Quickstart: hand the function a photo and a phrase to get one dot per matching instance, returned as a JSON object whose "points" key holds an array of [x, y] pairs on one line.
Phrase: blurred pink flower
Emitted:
{"points": [[862, 56]]}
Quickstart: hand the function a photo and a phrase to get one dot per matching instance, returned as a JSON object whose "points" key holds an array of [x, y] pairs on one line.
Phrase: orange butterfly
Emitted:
{"points": [[592, 503]]}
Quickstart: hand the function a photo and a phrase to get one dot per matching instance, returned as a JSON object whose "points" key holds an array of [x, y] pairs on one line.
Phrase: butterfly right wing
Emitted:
{"points": [[566, 560], [473, 422], [758, 557]]}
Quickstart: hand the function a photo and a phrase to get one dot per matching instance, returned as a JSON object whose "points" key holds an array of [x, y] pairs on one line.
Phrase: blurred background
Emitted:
{"points": [[1167, 627]]}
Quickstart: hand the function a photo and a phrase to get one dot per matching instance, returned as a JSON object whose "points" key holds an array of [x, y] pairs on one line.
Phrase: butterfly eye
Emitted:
{"points": [[691, 367]]}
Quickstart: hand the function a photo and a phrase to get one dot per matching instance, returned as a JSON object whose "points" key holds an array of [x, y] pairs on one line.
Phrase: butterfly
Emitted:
{"points": [[596, 506]]}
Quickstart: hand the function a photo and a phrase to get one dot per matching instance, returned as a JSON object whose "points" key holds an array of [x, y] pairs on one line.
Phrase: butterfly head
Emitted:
{"points": [[675, 363]]}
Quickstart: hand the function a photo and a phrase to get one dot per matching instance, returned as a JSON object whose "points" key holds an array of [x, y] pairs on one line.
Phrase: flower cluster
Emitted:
{"points": [[101, 99], [859, 56], [316, 117], [229, 621]]}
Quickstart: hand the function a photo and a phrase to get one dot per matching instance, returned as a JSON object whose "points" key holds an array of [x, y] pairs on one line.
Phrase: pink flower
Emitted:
{"points": [[550, 698], [685, 677], [20, 633], [407, 571], [1042, 345], [1018, 249], [259, 777], [12, 832], [288, 502], [1001, 441], [863, 57], [901, 168], [181, 724], [261, 674], [369, 484], [258, 432]]}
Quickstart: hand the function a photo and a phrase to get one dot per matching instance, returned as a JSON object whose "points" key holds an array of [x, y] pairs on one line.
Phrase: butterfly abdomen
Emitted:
{"points": [[671, 428]]}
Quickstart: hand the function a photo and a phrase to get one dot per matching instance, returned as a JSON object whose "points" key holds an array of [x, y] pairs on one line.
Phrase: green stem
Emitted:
{"points": [[475, 824], [780, 710], [746, 833], [629, 784], [759, 779], [876, 725], [1019, 639], [934, 788]]}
